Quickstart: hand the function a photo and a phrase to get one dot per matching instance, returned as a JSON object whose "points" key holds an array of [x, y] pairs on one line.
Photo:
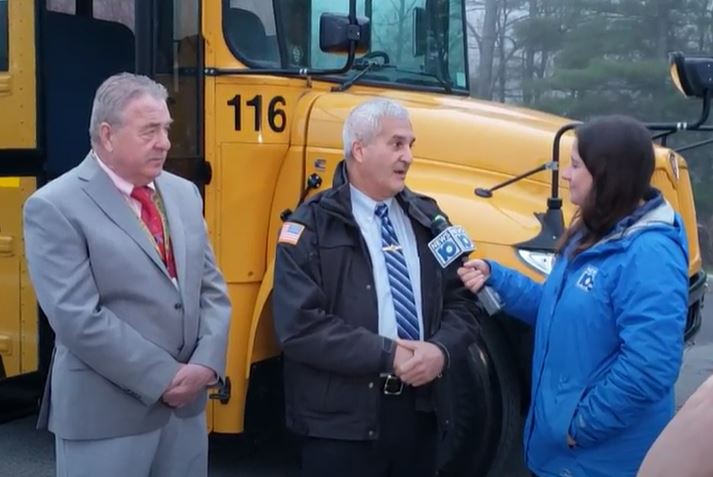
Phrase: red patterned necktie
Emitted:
{"points": [[151, 217]]}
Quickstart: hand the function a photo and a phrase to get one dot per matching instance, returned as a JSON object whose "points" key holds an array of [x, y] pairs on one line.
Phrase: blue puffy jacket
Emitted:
{"points": [[608, 345]]}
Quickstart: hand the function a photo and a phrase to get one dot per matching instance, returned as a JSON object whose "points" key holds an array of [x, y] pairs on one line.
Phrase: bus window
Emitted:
{"points": [[74, 53], [456, 46], [61, 6], [118, 11], [172, 51], [250, 32], [3, 36]]}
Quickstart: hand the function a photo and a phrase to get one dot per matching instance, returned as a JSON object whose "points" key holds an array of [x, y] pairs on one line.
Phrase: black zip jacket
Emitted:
{"points": [[326, 318]]}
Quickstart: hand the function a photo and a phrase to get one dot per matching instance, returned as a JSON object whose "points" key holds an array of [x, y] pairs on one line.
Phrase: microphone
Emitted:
{"points": [[451, 243]]}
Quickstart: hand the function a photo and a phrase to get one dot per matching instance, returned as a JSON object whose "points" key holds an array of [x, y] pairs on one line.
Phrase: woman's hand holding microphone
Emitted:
{"points": [[474, 274]]}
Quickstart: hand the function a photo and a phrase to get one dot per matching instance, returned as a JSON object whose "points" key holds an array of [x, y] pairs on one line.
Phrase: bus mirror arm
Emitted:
{"points": [[488, 193], [552, 221], [672, 128]]}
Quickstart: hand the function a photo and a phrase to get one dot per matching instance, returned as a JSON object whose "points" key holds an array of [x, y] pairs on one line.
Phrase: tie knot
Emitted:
{"points": [[144, 194], [381, 210]]}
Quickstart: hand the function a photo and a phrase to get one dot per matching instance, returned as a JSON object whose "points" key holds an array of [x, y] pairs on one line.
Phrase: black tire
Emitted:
{"points": [[487, 408]]}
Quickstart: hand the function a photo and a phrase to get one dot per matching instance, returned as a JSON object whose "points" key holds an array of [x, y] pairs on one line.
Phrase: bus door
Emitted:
{"points": [[20, 160], [53, 56], [169, 49]]}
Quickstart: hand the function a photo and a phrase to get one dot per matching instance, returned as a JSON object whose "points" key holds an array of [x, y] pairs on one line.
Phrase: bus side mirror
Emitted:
{"points": [[419, 31], [336, 33], [692, 75]]}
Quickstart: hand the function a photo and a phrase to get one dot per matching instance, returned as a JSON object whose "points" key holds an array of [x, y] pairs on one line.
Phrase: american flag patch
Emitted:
{"points": [[290, 233]]}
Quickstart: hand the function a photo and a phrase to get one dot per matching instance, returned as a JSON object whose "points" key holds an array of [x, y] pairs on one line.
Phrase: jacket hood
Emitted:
{"points": [[655, 215]]}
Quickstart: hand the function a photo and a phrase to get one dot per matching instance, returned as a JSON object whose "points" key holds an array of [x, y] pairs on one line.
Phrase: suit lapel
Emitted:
{"points": [[99, 187], [171, 204]]}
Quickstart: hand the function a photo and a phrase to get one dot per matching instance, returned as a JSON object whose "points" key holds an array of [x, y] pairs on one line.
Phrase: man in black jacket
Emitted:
{"points": [[368, 321]]}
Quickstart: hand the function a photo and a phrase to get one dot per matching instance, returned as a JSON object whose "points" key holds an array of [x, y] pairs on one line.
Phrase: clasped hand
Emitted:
{"points": [[418, 362], [190, 380]]}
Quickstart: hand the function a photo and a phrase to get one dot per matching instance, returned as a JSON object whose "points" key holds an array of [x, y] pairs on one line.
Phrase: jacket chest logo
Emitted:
{"points": [[587, 278]]}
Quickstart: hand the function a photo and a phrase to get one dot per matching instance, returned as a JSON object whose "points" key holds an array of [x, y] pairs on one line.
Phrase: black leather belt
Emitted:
{"points": [[392, 385]]}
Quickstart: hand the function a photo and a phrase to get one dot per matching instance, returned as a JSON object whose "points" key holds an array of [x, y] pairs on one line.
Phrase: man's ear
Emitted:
{"points": [[105, 137], [358, 151]]}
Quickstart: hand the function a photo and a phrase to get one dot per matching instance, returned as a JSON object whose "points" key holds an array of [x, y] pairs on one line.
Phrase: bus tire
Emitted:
{"points": [[486, 406]]}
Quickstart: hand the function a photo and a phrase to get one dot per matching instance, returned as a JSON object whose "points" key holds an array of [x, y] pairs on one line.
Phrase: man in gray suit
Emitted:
{"points": [[122, 266]]}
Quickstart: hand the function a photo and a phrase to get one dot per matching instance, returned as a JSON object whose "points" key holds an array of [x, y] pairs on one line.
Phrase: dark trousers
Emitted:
{"points": [[406, 446]]}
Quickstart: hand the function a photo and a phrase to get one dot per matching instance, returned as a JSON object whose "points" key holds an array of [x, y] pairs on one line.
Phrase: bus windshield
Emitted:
{"points": [[414, 43]]}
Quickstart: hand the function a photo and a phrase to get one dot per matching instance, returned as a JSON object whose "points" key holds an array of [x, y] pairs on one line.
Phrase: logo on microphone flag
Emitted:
{"points": [[450, 244], [445, 248], [461, 236]]}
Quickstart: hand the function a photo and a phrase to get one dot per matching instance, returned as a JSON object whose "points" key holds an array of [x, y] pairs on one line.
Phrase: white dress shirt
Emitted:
{"points": [[363, 209]]}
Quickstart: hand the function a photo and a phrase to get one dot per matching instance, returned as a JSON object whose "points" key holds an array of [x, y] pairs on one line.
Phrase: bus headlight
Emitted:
{"points": [[540, 261]]}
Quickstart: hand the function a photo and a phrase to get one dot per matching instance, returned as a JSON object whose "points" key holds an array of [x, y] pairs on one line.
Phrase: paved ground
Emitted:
{"points": [[25, 452]]}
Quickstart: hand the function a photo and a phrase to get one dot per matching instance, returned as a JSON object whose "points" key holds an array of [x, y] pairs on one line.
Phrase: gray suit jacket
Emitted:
{"points": [[122, 327]]}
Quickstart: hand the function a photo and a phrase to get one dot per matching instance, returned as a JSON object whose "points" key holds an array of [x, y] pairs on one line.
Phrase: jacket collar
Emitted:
{"points": [[100, 189]]}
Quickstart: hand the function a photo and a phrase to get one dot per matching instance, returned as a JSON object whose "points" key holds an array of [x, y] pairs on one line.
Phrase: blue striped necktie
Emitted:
{"points": [[399, 278]]}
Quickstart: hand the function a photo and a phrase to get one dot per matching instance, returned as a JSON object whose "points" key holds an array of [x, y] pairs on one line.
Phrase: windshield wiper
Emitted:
{"points": [[349, 82], [446, 85], [375, 66]]}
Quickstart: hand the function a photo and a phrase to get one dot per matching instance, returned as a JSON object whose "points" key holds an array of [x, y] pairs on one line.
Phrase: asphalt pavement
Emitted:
{"points": [[25, 452]]}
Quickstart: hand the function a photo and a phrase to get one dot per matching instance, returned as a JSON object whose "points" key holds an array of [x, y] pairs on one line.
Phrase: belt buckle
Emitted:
{"points": [[391, 388]]}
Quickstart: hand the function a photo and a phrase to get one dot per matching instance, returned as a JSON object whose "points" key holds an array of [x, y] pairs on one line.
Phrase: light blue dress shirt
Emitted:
{"points": [[370, 225]]}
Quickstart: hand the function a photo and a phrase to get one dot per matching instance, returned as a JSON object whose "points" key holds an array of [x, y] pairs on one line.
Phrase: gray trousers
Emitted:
{"points": [[178, 449]]}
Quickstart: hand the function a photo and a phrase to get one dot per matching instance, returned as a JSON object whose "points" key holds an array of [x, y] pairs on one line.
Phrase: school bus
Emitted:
{"points": [[259, 91]]}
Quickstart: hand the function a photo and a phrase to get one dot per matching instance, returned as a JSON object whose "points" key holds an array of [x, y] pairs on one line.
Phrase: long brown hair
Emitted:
{"points": [[618, 153]]}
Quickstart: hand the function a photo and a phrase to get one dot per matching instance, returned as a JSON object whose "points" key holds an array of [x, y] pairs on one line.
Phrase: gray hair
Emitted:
{"points": [[364, 121], [115, 94]]}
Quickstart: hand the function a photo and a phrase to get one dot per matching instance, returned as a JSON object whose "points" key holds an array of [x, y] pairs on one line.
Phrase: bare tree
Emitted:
{"points": [[487, 42], [529, 66]]}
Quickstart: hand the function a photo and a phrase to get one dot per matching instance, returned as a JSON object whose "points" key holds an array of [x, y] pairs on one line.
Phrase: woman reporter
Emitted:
{"points": [[609, 319]]}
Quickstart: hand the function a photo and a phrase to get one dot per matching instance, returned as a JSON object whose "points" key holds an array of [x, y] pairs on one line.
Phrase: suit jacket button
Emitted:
{"points": [[371, 433], [371, 385], [178, 306]]}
